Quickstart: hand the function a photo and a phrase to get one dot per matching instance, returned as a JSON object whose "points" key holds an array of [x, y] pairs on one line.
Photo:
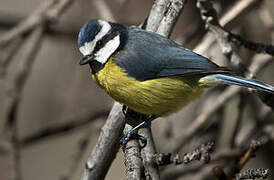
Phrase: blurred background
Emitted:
{"points": [[57, 110]]}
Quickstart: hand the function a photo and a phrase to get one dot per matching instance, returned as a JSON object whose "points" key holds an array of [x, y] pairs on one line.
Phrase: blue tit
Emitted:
{"points": [[147, 72]]}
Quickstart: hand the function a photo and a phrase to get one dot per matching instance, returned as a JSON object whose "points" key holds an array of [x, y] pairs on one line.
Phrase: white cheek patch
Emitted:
{"points": [[107, 50], [88, 48]]}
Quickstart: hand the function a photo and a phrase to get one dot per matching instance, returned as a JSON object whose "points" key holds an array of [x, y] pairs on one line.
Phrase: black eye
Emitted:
{"points": [[100, 43]]}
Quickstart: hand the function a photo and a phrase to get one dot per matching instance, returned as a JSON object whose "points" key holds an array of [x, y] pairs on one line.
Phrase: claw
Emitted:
{"points": [[133, 135], [141, 138]]}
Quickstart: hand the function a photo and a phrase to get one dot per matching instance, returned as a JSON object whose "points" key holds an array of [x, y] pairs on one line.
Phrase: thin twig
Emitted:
{"points": [[14, 82], [49, 11], [239, 119], [217, 157], [16, 79], [253, 46], [253, 147], [202, 153], [14, 88], [209, 15], [232, 15], [14, 153], [75, 122], [259, 173], [203, 118], [8, 53]]}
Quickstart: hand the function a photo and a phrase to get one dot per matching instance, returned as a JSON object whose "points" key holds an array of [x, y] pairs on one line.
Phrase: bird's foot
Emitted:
{"points": [[132, 135], [132, 118]]}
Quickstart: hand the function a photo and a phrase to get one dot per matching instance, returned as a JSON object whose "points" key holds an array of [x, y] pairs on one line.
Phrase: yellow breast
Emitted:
{"points": [[159, 97]]}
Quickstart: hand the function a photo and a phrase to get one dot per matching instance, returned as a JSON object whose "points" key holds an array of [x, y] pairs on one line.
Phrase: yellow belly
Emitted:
{"points": [[159, 97]]}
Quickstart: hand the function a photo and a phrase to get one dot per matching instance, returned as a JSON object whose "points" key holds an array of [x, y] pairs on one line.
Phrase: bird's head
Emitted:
{"points": [[98, 40]]}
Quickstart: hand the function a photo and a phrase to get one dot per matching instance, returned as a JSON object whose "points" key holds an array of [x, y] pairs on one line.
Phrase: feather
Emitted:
{"points": [[148, 55]]}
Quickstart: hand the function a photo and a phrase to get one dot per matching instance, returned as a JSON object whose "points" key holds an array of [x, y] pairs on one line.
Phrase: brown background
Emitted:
{"points": [[58, 89]]}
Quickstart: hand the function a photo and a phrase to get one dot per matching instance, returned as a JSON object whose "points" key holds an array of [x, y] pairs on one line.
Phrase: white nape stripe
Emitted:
{"points": [[89, 46], [105, 52], [104, 30]]}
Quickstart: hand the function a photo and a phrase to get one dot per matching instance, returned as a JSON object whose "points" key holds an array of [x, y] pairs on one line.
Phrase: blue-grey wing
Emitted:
{"points": [[148, 55]]}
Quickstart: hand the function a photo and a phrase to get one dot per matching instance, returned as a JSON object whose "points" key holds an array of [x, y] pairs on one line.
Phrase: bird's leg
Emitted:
{"points": [[133, 133], [124, 110]]}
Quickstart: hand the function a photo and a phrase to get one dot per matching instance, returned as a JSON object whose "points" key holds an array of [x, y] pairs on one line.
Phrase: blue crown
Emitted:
{"points": [[88, 32]]}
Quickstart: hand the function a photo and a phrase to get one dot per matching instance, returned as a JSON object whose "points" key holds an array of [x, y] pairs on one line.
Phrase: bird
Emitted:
{"points": [[148, 73]]}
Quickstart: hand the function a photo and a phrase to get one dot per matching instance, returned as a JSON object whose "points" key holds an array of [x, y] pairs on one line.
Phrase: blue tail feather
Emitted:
{"points": [[236, 80]]}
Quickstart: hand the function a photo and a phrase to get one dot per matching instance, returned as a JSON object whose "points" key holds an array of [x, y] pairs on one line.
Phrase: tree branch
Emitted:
{"points": [[133, 160], [216, 157], [107, 145], [171, 16], [236, 12], [75, 122], [156, 14], [48, 12], [259, 173], [202, 119], [209, 15], [201, 153], [166, 15]]}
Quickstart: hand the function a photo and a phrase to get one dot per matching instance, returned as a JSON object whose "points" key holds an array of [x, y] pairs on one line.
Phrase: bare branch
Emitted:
{"points": [[133, 160], [209, 15], [13, 89], [253, 147], [161, 21], [201, 153], [15, 81], [107, 145], [75, 122], [156, 14], [217, 157], [203, 118], [8, 53], [254, 46], [240, 114], [48, 12], [171, 16], [232, 15], [259, 173], [151, 168]]}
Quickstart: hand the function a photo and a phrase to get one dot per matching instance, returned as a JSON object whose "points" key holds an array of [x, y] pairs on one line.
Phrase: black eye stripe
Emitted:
{"points": [[101, 42]]}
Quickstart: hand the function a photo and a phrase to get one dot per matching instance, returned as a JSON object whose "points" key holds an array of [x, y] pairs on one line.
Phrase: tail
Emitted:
{"points": [[216, 79]]}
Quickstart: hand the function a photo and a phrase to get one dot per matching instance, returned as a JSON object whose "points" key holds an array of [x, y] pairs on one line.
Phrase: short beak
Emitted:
{"points": [[86, 59]]}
